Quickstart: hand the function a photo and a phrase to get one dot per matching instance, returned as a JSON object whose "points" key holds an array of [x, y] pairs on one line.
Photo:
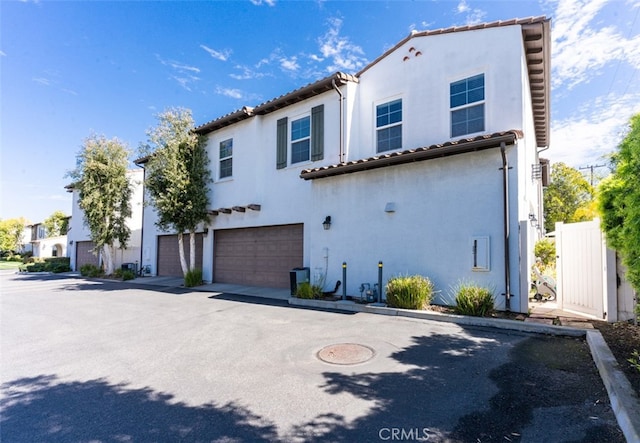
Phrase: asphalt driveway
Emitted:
{"points": [[109, 361]]}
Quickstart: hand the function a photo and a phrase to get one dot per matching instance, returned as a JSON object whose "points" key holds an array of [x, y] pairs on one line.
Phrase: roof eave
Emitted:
{"points": [[310, 90], [413, 155]]}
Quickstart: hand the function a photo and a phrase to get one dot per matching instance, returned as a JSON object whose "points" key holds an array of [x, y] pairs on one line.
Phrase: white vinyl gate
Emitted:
{"points": [[586, 270]]}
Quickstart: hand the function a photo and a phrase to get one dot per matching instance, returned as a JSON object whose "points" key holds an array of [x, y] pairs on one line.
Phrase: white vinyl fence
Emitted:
{"points": [[590, 281]]}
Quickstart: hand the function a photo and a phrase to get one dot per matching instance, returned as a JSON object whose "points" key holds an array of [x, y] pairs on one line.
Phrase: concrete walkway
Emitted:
{"points": [[221, 288]]}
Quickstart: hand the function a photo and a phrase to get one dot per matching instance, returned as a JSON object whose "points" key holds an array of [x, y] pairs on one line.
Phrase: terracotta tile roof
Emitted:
{"points": [[298, 95], [536, 32], [445, 149]]}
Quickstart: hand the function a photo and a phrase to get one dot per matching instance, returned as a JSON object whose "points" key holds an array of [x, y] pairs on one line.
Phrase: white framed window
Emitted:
{"points": [[300, 139], [389, 126], [226, 158], [466, 100]]}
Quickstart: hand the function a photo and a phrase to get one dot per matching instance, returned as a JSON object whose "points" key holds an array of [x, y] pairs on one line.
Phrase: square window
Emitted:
{"points": [[467, 120], [389, 126], [226, 158]]}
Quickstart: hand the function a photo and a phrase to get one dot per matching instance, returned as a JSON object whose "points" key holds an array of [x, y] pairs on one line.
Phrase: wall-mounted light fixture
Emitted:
{"points": [[326, 224], [533, 220], [71, 242]]}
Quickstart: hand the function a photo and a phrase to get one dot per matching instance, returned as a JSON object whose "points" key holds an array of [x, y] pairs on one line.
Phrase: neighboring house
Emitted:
{"points": [[44, 246], [426, 160], [25, 245], [82, 249]]}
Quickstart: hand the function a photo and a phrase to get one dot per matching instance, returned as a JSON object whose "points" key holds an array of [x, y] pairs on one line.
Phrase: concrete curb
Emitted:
{"points": [[624, 403], [500, 323]]}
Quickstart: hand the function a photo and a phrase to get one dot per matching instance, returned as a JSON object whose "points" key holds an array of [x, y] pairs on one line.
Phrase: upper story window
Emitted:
{"points": [[300, 139], [467, 105], [389, 126], [226, 158], [306, 136]]}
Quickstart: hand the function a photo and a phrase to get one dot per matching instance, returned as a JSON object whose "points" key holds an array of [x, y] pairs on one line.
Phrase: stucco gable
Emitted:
{"points": [[536, 37]]}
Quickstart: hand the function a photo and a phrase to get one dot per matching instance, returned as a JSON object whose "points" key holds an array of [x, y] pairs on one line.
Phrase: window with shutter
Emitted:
{"points": [[281, 144], [317, 133]]}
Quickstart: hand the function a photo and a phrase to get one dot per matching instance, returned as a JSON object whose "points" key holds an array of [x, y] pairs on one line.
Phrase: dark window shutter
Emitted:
{"points": [[317, 133], [281, 144]]}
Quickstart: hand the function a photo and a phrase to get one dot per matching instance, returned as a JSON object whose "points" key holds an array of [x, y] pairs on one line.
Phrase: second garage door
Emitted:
{"points": [[257, 256], [85, 255], [169, 256]]}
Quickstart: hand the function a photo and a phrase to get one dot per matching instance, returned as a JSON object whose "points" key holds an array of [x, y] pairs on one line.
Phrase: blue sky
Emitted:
{"points": [[70, 69]]}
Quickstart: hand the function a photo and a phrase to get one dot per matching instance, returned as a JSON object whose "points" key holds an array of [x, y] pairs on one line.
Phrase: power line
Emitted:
{"points": [[591, 167]]}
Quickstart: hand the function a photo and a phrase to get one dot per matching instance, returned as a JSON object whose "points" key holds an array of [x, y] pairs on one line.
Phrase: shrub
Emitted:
{"points": [[53, 264], [57, 268], [473, 300], [117, 273], [409, 292], [545, 252], [128, 275], [308, 291], [90, 270], [36, 267], [635, 360], [58, 264], [193, 278]]}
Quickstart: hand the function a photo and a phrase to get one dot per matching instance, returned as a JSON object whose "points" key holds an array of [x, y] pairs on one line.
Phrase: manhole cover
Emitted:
{"points": [[346, 354]]}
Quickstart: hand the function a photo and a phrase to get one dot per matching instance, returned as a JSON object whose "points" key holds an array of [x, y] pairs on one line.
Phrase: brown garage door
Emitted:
{"points": [[169, 257], [257, 256], [85, 255]]}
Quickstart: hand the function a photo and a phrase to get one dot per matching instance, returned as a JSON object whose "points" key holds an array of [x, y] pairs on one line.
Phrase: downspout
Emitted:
{"points": [[144, 177], [341, 99], [505, 196]]}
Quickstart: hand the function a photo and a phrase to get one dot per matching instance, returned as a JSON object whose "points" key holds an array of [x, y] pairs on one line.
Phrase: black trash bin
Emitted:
{"points": [[298, 276], [129, 267]]}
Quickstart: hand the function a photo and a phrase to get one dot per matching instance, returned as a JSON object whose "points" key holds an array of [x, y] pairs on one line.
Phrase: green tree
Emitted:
{"points": [[104, 194], [619, 203], [177, 176], [56, 224], [11, 234], [569, 197]]}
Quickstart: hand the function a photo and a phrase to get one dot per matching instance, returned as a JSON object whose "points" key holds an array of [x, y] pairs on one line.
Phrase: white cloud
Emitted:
{"points": [[263, 2], [472, 15], [344, 55], [180, 67], [229, 92], [3, 54], [594, 131], [219, 55], [185, 81], [184, 74], [246, 73], [289, 64], [581, 47], [42, 81]]}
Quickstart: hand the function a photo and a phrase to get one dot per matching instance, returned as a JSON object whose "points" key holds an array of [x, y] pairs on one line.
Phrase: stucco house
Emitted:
{"points": [[44, 246], [426, 160], [80, 246]]}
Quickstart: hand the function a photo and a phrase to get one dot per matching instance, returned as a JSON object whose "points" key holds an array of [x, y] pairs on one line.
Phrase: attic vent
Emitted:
{"points": [[536, 172]]}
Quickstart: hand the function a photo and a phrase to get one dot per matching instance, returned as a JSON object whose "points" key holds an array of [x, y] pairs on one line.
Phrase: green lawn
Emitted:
{"points": [[9, 264]]}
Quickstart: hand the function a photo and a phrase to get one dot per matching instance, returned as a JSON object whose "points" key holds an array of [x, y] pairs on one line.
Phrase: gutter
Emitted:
{"points": [[144, 193], [505, 196], [341, 100]]}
